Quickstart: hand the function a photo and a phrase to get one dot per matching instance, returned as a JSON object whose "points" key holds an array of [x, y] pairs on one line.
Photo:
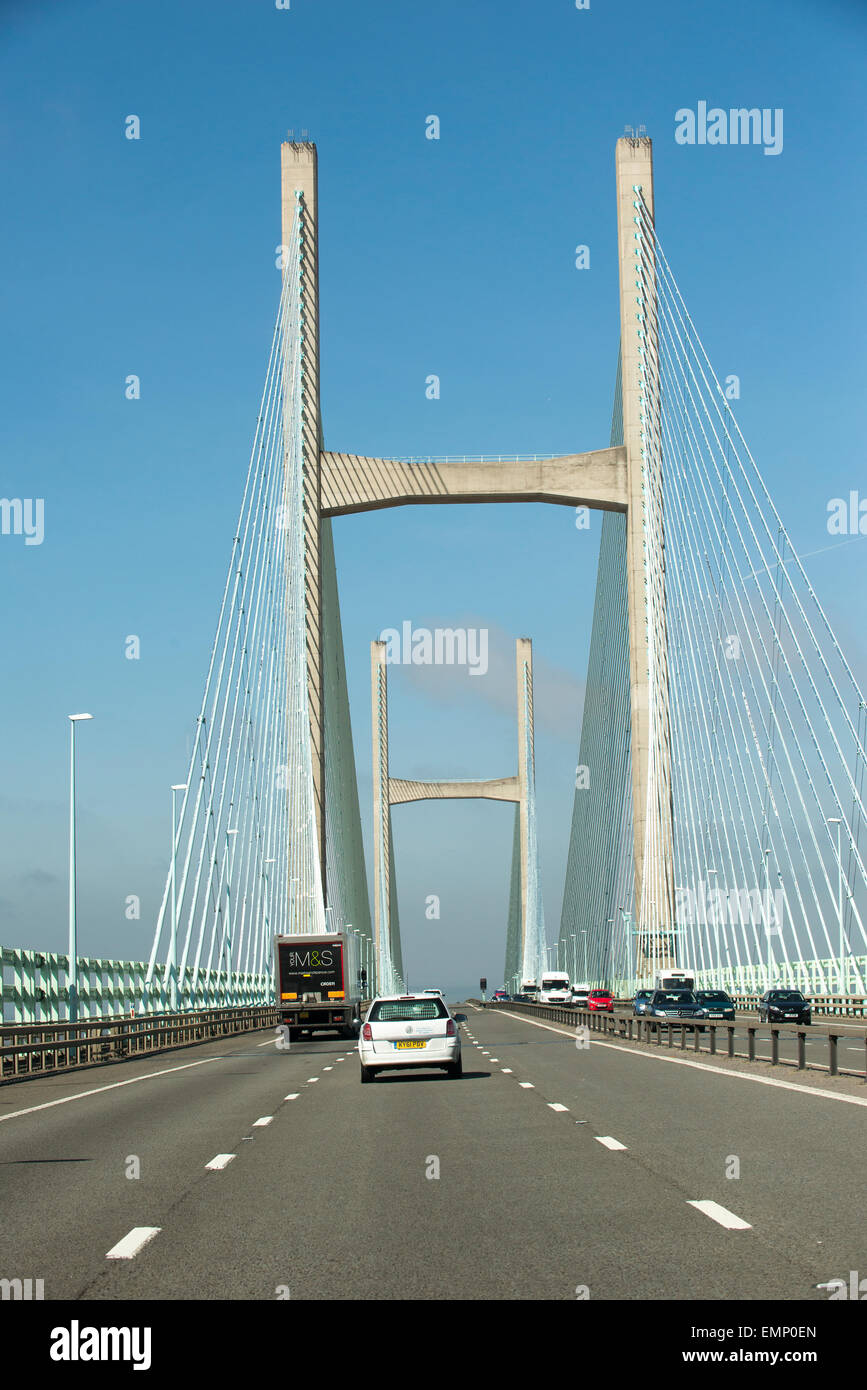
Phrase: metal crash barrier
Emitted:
{"points": [[39, 1049], [713, 1039]]}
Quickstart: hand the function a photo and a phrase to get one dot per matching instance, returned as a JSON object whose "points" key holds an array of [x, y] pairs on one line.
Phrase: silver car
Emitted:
{"points": [[408, 1030]]}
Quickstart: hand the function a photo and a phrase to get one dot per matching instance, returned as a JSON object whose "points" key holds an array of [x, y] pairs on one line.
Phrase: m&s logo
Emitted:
{"points": [[312, 959]]}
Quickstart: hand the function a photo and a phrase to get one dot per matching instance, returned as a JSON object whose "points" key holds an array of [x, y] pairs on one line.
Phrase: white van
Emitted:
{"points": [[554, 988], [674, 979]]}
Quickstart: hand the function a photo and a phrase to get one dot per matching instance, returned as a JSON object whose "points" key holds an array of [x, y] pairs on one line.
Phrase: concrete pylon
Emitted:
{"points": [[381, 816], [645, 555], [299, 197], [526, 770], [391, 791]]}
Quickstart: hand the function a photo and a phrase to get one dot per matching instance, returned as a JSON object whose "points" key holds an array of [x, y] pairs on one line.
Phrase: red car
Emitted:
{"points": [[600, 1000]]}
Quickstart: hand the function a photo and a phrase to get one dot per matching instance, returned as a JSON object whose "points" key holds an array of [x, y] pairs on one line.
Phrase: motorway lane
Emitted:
{"points": [[332, 1200], [65, 1194], [798, 1186]]}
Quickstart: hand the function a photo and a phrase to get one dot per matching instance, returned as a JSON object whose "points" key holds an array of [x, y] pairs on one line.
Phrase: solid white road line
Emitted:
{"points": [[700, 1066], [555, 1105], [112, 1086], [216, 1164], [720, 1215], [128, 1248], [613, 1144], [265, 1120]]}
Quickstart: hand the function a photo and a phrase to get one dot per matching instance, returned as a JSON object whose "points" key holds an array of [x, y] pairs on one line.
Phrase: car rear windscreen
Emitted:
{"points": [[406, 1010]]}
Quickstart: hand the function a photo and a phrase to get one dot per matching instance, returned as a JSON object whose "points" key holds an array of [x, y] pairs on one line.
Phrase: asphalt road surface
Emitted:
{"points": [[546, 1169]]}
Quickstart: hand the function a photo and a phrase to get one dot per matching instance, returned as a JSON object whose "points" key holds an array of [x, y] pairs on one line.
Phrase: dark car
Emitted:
{"points": [[674, 1006], [784, 1006], [523, 998], [716, 1003], [641, 1001]]}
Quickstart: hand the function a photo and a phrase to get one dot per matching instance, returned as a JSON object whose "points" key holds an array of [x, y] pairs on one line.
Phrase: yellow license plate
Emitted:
{"points": [[409, 1044]]}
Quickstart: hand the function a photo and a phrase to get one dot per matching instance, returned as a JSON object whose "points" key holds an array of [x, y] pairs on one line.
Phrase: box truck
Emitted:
{"points": [[318, 983], [674, 979]]}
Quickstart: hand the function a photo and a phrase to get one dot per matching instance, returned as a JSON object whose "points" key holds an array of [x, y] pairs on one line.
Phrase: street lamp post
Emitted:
{"points": [[72, 965], [627, 918], [836, 820], [230, 902], [766, 854], [172, 962], [263, 944], [610, 923], [715, 926]]}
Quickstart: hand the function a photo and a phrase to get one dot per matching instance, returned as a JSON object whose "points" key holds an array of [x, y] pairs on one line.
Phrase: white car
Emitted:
{"points": [[408, 1030]]}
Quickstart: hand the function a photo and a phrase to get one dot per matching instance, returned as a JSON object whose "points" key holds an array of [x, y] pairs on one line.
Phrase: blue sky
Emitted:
{"points": [[453, 257]]}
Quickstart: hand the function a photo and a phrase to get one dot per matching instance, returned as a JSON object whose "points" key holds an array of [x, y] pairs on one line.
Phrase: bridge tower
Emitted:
{"points": [[652, 809], [625, 478], [526, 952]]}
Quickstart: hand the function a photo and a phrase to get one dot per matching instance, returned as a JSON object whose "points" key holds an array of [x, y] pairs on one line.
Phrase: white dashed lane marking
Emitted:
{"points": [[507, 1071], [722, 1216], [293, 1096], [555, 1105], [263, 1120], [128, 1248], [311, 1079], [221, 1161], [527, 1085], [609, 1143]]}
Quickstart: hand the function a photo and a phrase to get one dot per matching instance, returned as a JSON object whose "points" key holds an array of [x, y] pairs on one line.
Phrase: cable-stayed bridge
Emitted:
{"points": [[720, 793]]}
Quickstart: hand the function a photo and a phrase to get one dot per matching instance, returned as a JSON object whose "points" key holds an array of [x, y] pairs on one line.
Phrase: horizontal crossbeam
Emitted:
{"points": [[497, 789], [354, 483]]}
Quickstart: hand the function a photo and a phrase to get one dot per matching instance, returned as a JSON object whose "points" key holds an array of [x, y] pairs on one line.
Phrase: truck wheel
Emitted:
{"points": [[367, 1074]]}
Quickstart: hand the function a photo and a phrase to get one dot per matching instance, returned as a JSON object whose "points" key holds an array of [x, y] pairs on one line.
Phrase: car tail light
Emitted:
{"points": [[451, 1031], [367, 1033]]}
